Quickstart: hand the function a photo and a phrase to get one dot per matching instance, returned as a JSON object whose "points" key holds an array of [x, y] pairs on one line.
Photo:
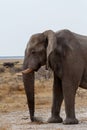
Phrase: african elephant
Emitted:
{"points": [[65, 53]]}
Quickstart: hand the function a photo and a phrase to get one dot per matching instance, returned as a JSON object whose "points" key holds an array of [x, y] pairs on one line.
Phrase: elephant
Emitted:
{"points": [[65, 52]]}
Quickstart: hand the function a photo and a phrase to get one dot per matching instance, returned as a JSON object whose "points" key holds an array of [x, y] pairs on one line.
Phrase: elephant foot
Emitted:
{"points": [[55, 120], [37, 119], [71, 121]]}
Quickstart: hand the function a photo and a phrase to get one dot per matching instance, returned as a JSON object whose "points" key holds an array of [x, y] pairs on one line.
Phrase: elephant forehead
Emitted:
{"points": [[36, 42], [31, 44], [36, 46], [37, 38]]}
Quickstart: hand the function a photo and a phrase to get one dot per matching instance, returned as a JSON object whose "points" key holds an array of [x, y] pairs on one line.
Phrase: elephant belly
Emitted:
{"points": [[83, 83]]}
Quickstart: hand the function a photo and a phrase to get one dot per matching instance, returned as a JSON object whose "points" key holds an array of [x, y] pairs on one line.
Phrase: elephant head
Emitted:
{"points": [[37, 53]]}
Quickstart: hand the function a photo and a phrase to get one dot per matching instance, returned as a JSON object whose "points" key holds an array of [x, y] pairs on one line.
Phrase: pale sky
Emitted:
{"points": [[19, 19]]}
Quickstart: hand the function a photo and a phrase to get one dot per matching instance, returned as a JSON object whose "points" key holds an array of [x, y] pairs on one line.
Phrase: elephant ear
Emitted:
{"points": [[51, 38]]}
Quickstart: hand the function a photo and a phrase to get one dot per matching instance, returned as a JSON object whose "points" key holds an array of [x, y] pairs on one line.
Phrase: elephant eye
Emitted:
{"points": [[33, 52]]}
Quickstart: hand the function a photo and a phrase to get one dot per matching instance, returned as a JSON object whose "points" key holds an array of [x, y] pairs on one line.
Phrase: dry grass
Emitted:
{"points": [[5, 127], [12, 94]]}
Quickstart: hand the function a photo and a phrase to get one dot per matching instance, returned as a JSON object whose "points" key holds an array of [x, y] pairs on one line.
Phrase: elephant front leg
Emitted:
{"points": [[69, 92], [57, 101], [28, 80]]}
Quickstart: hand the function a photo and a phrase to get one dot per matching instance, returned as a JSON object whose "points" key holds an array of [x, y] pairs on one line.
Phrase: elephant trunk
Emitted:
{"points": [[28, 80]]}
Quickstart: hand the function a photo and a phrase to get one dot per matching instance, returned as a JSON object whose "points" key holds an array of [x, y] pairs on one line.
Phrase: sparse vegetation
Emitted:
{"points": [[12, 94], [5, 127]]}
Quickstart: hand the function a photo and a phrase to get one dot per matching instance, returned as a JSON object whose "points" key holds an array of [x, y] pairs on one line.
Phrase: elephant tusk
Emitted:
{"points": [[26, 71]]}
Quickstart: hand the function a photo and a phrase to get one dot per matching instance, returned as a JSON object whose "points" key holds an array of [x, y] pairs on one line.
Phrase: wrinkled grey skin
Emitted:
{"points": [[66, 54]]}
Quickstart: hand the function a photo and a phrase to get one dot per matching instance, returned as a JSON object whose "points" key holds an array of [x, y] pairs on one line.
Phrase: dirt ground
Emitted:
{"points": [[14, 113]]}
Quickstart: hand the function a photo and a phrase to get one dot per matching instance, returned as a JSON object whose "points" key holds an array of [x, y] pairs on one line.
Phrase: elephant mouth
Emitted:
{"points": [[28, 70]]}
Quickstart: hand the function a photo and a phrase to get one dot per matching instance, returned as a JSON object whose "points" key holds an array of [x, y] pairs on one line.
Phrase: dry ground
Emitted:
{"points": [[13, 105]]}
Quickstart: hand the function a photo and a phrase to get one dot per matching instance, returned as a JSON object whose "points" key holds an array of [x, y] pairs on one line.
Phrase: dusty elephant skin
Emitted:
{"points": [[66, 54]]}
